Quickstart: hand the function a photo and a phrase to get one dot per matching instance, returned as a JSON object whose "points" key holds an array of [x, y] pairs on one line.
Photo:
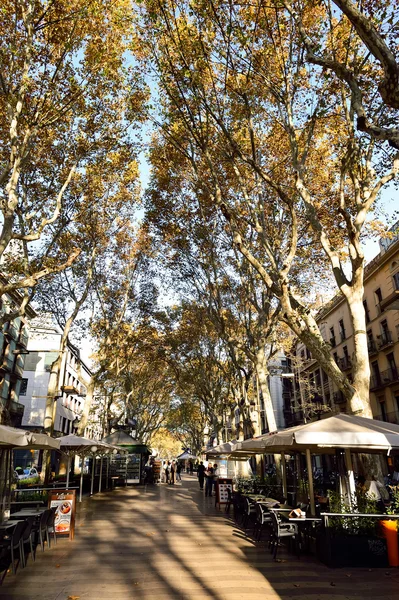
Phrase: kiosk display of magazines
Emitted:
{"points": [[223, 487]]}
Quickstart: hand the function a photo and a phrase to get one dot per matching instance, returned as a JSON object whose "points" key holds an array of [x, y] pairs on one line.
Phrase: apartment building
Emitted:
{"points": [[44, 346], [13, 350], [313, 392]]}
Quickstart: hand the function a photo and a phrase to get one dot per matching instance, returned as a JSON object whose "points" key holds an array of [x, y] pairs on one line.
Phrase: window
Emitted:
{"points": [[335, 357], [379, 300], [332, 337], [342, 330], [396, 281], [366, 311], [23, 387], [346, 355], [392, 363], [308, 355], [383, 409]]}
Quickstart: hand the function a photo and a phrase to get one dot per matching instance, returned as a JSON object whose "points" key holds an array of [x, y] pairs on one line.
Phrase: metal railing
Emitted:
{"points": [[344, 363], [372, 347], [384, 378], [384, 339]]}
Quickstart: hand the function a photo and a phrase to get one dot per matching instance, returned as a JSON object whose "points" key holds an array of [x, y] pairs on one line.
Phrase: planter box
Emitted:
{"points": [[340, 550]]}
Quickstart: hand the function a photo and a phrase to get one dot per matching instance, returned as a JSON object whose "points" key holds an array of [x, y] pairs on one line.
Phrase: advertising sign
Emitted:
{"points": [[222, 487], [65, 503]]}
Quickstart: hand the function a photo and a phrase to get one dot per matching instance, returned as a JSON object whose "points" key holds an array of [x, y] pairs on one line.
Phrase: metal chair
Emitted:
{"points": [[13, 544], [282, 530], [27, 538], [249, 512], [41, 528], [263, 518], [51, 526]]}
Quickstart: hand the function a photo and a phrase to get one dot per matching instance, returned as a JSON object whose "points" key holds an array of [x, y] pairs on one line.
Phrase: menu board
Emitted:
{"points": [[65, 503], [133, 468], [222, 487]]}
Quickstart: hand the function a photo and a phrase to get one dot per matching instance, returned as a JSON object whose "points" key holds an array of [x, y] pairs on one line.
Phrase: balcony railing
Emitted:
{"points": [[385, 339], [23, 340], [8, 364], [11, 331], [384, 378], [344, 363], [333, 342], [372, 347]]}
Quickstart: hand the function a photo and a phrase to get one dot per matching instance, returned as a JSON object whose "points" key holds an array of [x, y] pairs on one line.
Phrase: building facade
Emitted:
{"points": [[13, 348], [312, 390], [44, 346]]}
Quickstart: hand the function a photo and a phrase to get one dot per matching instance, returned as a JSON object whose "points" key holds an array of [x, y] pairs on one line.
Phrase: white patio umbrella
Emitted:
{"points": [[346, 432], [225, 448], [75, 444], [12, 437], [186, 456]]}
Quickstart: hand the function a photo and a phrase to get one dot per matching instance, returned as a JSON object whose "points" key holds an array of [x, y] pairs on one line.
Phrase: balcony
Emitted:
{"points": [[391, 302], [344, 363], [23, 340], [70, 389], [385, 340], [339, 398], [16, 413], [10, 331], [384, 378], [372, 347], [7, 365]]}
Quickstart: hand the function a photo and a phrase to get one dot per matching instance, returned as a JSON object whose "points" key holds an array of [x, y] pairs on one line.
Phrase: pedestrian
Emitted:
{"points": [[201, 475], [178, 472], [191, 467], [209, 480], [172, 472], [215, 476], [167, 472]]}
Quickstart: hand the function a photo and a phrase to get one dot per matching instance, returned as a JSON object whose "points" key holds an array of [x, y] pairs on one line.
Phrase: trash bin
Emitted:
{"points": [[390, 533]]}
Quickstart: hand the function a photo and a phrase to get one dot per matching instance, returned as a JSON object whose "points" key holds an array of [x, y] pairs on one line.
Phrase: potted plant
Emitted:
{"points": [[352, 541]]}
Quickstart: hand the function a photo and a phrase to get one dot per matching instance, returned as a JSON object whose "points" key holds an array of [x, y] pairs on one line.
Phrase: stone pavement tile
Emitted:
{"points": [[171, 543]]}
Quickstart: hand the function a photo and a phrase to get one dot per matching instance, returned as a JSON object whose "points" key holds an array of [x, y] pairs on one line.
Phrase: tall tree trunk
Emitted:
{"points": [[262, 373]]}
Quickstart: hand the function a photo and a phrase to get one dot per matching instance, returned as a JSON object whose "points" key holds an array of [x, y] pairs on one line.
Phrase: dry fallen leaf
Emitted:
{"points": [[73, 597], [333, 584], [296, 585], [57, 566]]}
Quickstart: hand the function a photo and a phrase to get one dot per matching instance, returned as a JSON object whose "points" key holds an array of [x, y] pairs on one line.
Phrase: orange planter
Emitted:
{"points": [[390, 532]]}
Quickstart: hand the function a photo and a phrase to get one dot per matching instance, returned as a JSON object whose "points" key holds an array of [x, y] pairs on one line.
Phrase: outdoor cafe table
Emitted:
{"points": [[26, 512], [9, 524]]}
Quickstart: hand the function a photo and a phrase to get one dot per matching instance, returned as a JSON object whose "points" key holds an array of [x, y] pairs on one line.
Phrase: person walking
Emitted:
{"points": [[167, 472], [201, 474], [215, 476], [172, 472], [209, 480], [178, 472]]}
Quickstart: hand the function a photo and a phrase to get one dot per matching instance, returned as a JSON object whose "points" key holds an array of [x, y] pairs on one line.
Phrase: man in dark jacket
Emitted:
{"points": [[201, 475]]}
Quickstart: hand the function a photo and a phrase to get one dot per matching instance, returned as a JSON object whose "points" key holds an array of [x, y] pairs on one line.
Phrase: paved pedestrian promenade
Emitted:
{"points": [[171, 543]]}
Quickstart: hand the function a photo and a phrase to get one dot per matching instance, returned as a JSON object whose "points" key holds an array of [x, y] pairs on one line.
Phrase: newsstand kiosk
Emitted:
{"points": [[127, 469]]}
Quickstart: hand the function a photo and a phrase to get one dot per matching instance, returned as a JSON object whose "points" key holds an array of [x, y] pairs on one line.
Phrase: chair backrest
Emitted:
{"points": [[275, 523], [28, 528], [17, 533], [247, 506], [44, 517], [51, 517], [265, 514]]}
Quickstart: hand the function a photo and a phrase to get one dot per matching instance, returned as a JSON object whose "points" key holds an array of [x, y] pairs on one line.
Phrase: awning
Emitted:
{"points": [[11, 437], [339, 431]]}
